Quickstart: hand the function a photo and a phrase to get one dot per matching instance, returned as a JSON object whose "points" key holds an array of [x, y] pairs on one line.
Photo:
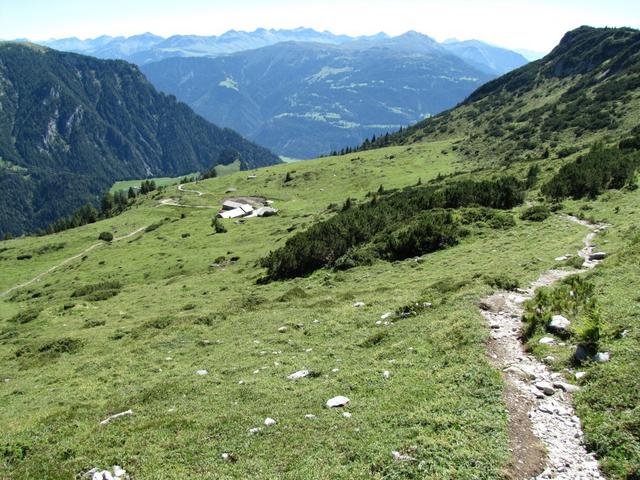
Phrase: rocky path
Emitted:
{"points": [[546, 435], [70, 259]]}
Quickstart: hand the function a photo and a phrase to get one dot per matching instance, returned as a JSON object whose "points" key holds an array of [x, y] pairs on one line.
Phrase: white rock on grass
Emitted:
{"points": [[201, 372], [580, 375], [346, 415], [253, 431], [338, 401], [310, 416], [386, 374], [269, 422], [335, 370], [401, 457], [359, 304], [228, 457], [282, 329], [299, 374], [547, 341], [385, 315], [602, 357], [559, 323]]}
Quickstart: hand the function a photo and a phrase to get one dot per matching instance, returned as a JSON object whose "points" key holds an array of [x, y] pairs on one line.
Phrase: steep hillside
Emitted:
{"points": [[304, 99], [72, 125], [586, 89]]}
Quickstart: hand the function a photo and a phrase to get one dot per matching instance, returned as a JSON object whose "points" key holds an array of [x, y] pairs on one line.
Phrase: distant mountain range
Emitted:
{"points": [[303, 93], [147, 47], [303, 99], [71, 125]]}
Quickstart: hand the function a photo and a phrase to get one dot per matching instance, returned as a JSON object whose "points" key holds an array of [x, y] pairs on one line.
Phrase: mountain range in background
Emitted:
{"points": [[304, 93], [147, 47], [72, 125]]}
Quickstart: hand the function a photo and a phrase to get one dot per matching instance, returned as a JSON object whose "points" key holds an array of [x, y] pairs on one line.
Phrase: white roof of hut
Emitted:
{"points": [[233, 213]]}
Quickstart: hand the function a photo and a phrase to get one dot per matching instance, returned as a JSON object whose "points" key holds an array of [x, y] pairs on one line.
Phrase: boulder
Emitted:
{"points": [[597, 256], [545, 387], [559, 324], [602, 357], [358, 304], [269, 422], [567, 387], [201, 372], [547, 341], [299, 374], [518, 372], [338, 401]]}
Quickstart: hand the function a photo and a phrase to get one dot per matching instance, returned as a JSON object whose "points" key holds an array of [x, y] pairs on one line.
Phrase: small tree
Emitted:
{"points": [[131, 193], [217, 225], [105, 236]]}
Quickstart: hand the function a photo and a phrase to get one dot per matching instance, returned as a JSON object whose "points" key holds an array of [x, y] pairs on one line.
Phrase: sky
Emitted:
{"points": [[533, 24]]}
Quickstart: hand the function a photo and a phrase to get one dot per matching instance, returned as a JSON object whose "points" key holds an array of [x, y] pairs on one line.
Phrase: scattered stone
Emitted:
{"points": [[269, 422], [624, 333], [582, 353], [335, 370], [310, 416], [358, 304], [241, 382], [379, 322], [559, 324], [549, 359], [386, 374], [519, 372], [282, 329], [201, 372], [580, 375], [298, 374], [346, 415], [536, 393], [229, 457], [256, 371], [401, 457], [255, 430], [308, 350], [545, 387], [117, 415], [118, 471], [597, 256], [385, 315], [547, 341], [567, 387], [338, 401], [546, 409], [602, 357]]}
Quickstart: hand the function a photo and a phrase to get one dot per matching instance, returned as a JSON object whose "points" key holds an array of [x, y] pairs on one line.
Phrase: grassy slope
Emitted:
{"points": [[442, 397]]}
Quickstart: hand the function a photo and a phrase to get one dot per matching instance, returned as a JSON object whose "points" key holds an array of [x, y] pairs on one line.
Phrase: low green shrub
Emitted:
{"points": [[25, 316], [105, 236], [537, 213]]}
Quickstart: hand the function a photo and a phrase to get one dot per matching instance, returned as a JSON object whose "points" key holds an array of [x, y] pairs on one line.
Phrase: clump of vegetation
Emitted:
{"points": [[92, 323], [105, 236], [98, 291], [52, 247], [588, 176], [374, 339], [537, 213], [403, 224], [503, 282], [62, 345], [295, 293], [574, 298], [25, 256], [217, 225], [25, 316], [153, 226]]}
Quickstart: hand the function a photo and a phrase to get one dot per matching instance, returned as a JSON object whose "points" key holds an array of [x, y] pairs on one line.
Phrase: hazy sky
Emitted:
{"points": [[533, 24]]}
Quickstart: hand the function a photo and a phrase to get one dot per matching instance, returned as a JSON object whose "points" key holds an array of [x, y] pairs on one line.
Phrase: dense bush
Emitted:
{"points": [[537, 213], [601, 169], [393, 222], [98, 291], [105, 236]]}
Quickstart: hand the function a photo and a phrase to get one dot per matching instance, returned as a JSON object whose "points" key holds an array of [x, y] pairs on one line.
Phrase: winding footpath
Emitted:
{"points": [[170, 202], [70, 259], [535, 415]]}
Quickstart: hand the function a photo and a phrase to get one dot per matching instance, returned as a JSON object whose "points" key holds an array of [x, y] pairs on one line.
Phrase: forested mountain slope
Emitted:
{"points": [[71, 125]]}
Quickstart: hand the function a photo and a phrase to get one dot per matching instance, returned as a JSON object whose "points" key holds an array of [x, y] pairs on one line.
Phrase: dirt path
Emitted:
{"points": [[182, 189], [70, 259], [546, 435], [171, 202]]}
